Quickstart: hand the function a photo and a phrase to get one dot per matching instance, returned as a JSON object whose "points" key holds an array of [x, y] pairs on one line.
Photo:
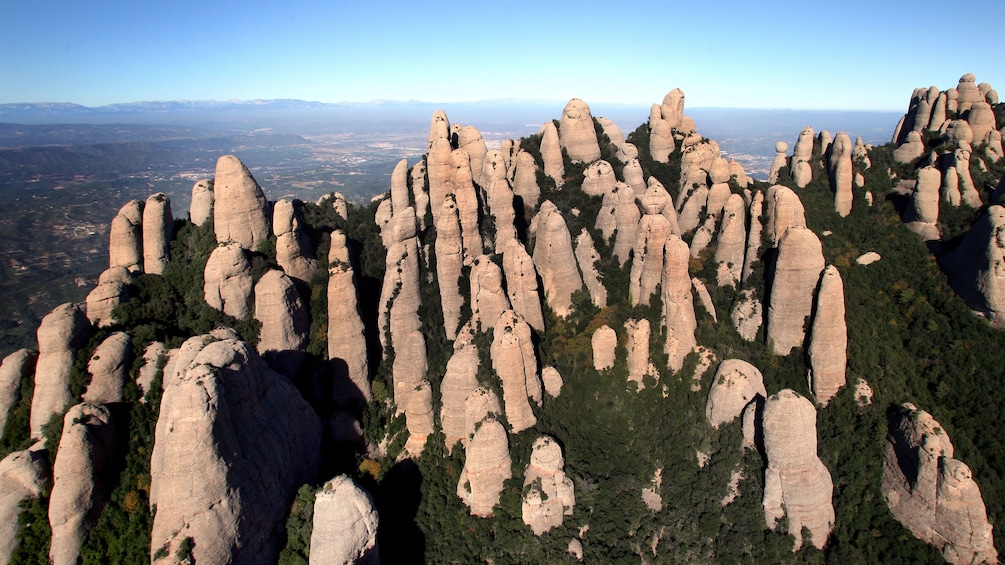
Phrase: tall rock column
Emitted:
{"points": [[576, 132], [841, 173], [829, 338], [293, 247], [802, 153], [61, 332], [285, 322], [797, 272], [555, 259], [200, 210], [548, 495], [514, 361], [158, 229], [346, 332], [797, 485], [732, 242], [551, 153], [227, 281], [678, 302], [344, 525], [240, 210], [487, 465], [125, 237], [449, 262], [521, 284]]}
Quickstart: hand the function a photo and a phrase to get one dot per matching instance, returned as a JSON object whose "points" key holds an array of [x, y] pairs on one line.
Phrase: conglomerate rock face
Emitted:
{"points": [[933, 494], [344, 525], [251, 440], [797, 485], [347, 349], [200, 210], [514, 361], [797, 272], [109, 368], [548, 494]]}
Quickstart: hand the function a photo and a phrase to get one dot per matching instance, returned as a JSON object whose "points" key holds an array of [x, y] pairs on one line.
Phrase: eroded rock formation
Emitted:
{"points": [[227, 281], [240, 210], [344, 525], [736, 384], [548, 495], [60, 333], [797, 272], [828, 348]]}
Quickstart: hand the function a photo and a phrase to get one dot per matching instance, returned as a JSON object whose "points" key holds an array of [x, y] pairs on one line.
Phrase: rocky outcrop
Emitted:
{"points": [[79, 490], [344, 525], [753, 236], [841, 173], [982, 121], [339, 204], [552, 381], [797, 272], [60, 333], [911, 149], [112, 289], [466, 199], [732, 241], [293, 247], [555, 259], [576, 132], [598, 178], [399, 187], [283, 337], [968, 191], [459, 381], [828, 347], [499, 198], [200, 209], [586, 257], [227, 281], [799, 166], [449, 262], [487, 466], [933, 494], [488, 299], [661, 139], [346, 333], [23, 475], [647, 263], [152, 355], [158, 229], [779, 161], [784, 210], [747, 315], [678, 303], [797, 485], [605, 342], [736, 384], [923, 215], [14, 368], [625, 216], [977, 267], [525, 180], [249, 437], [514, 361], [109, 369], [521, 284], [469, 139], [548, 495], [125, 237], [551, 153], [637, 344], [240, 210]]}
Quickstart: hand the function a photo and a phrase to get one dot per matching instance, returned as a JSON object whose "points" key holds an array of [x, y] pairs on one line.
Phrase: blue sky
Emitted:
{"points": [[850, 54]]}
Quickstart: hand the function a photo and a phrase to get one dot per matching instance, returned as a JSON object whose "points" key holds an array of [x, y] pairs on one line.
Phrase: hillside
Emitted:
{"points": [[583, 346]]}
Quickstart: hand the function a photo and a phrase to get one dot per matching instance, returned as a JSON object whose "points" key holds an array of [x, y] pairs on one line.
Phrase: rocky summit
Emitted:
{"points": [[602, 342]]}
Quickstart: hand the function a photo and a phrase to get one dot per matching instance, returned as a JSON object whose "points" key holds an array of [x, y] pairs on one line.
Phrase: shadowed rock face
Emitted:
{"points": [[576, 132], [586, 257], [548, 495], [240, 210], [345, 525], [487, 466], [797, 272], [828, 347], [23, 475], [61, 332], [797, 485], [158, 229], [78, 489], [13, 369], [933, 494], [248, 436], [977, 267], [285, 322], [346, 332]]}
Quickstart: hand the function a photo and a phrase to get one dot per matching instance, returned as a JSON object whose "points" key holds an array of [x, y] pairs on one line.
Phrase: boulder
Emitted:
{"points": [[109, 369], [344, 525], [79, 489], [200, 209], [797, 272], [576, 132], [828, 347], [286, 323], [487, 466], [933, 494], [227, 281], [552, 381], [158, 230], [868, 258], [548, 495], [605, 343], [797, 485], [240, 210], [125, 237], [60, 334], [735, 385], [555, 259], [249, 437]]}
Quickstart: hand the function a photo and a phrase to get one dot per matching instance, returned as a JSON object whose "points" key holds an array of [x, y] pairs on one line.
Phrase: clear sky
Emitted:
{"points": [[841, 54]]}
